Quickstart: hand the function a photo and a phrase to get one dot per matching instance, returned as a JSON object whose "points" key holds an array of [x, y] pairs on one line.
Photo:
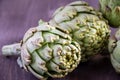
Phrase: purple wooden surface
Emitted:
{"points": [[17, 16]]}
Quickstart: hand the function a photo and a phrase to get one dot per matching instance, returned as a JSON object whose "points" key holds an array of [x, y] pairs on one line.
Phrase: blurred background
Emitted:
{"points": [[17, 16]]}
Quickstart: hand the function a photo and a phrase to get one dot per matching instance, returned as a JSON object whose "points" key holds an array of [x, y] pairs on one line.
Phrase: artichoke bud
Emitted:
{"points": [[111, 11], [114, 49], [84, 24], [46, 51], [51, 51]]}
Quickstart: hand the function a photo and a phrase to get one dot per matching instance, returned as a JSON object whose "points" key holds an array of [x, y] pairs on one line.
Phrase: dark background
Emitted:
{"points": [[17, 16]]}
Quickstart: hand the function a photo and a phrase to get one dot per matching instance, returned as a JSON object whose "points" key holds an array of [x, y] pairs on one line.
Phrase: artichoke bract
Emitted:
{"points": [[85, 25], [114, 49], [111, 11], [46, 51]]}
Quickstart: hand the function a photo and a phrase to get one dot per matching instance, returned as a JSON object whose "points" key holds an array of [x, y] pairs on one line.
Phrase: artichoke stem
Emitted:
{"points": [[11, 50]]}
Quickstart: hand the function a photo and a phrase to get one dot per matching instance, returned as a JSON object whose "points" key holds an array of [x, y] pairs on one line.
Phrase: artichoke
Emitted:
{"points": [[85, 25], [46, 51], [114, 49], [111, 11]]}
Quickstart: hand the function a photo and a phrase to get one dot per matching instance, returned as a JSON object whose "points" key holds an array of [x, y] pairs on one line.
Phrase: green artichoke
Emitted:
{"points": [[114, 49], [111, 11], [84, 25], [46, 51]]}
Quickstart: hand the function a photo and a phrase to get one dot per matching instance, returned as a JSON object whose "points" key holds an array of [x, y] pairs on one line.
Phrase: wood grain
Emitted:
{"points": [[17, 16]]}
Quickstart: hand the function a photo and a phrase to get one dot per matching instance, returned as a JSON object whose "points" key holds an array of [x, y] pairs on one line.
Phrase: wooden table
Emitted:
{"points": [[17, 16]]}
